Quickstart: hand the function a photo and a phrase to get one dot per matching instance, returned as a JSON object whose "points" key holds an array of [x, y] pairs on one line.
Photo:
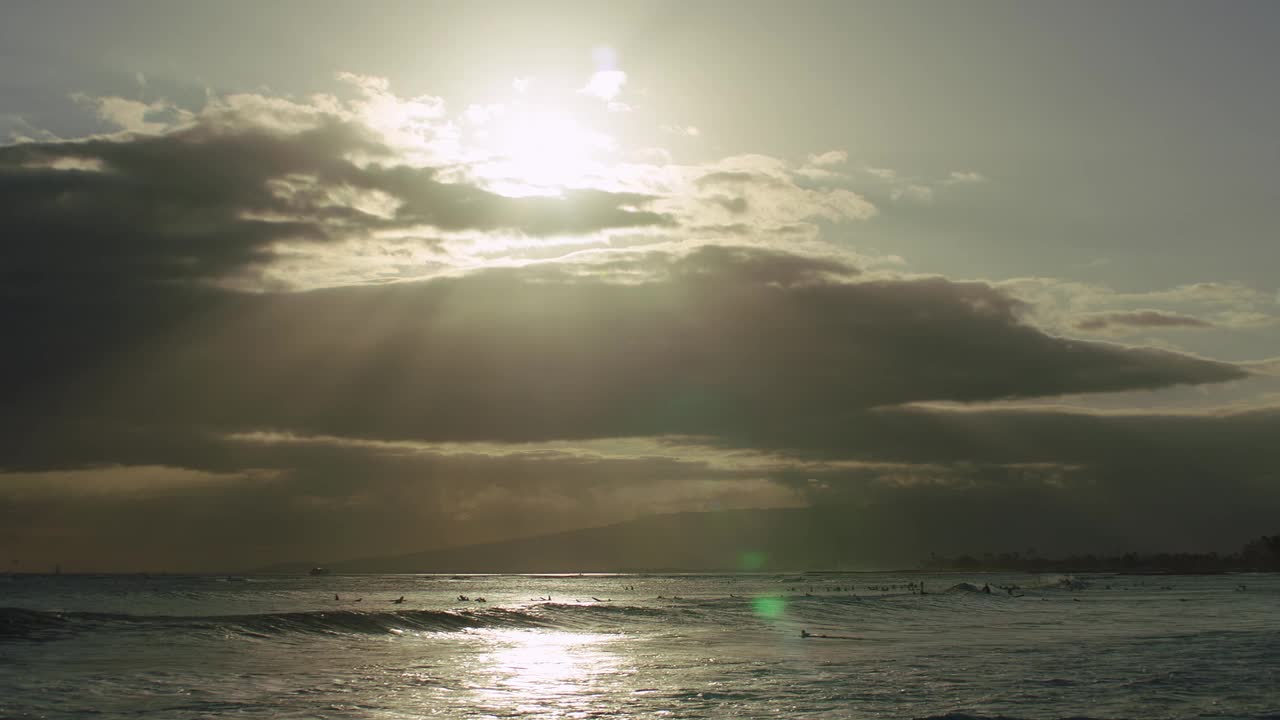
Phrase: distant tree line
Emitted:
{"points": [[1262, 553]]}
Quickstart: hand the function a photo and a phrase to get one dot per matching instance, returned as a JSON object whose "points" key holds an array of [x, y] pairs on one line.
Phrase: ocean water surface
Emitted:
{"points": [[645, 646]]}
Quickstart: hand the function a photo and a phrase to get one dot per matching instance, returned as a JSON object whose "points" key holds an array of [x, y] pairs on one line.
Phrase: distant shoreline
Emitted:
{"points": [[1259, 555]]}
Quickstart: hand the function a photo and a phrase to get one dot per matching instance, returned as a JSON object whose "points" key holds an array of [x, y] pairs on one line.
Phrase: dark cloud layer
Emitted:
{"points": [[747, 349], [1000, 483], [1139, 319], [199, 204], [123, 356], [1065, 482], [317, 502], [727, 343]]}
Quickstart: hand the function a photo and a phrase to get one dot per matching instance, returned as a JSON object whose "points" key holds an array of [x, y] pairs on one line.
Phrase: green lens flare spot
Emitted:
{"points": [[769, 607], [751, 560]]}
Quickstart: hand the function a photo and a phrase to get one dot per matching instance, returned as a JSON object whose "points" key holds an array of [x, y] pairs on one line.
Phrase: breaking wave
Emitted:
{"points": [[20, 623], [35, 624]]}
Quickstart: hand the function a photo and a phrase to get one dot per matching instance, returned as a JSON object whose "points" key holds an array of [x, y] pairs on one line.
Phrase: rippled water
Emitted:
{"points": [[706, 646]]}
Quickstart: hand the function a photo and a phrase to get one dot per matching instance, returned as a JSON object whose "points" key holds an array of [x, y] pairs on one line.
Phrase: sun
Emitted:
{"points": [[541, 138], [538, 150]]}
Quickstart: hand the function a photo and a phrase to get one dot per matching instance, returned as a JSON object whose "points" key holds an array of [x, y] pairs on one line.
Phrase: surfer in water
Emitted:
{"points": [[824, 636]]}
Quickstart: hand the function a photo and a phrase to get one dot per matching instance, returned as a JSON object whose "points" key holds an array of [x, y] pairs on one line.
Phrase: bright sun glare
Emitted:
{"points": [[538, 150], [540, 139], [541, 669]]}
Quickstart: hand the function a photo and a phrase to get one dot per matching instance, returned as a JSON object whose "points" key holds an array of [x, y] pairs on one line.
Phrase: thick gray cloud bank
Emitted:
{"points": [[143, 400], [722, 342]]}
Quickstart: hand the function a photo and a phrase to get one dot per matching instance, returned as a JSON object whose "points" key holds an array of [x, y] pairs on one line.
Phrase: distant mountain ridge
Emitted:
{"points": [[825, 538], [724, 540]]}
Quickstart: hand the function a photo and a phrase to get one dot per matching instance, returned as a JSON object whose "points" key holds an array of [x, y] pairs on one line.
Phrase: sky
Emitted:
{"points": [[326, 280]]}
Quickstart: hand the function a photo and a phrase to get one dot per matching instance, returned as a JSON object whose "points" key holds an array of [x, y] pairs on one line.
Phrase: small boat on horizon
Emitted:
{"points": [[319, 571]]}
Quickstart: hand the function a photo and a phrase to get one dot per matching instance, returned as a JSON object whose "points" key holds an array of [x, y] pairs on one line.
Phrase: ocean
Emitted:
{"points": [[641, 646]]}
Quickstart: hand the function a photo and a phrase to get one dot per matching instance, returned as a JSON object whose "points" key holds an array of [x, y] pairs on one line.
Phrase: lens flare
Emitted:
{"points": [[769, 607]]}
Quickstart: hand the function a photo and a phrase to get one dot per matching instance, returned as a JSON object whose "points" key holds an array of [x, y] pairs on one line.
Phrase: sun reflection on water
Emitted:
{"points": [[542, 672]]}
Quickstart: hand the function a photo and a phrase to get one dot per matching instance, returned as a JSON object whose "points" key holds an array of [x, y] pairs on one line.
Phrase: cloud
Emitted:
{"points": [[262, 192], [686, 130], [919, 479], [905, 187], [1136, 321], [960, 177], [605, 84], [117, 481], [17, 129], [214, 351], [720, 341], [323, 499], [1065, 306], [819, 167], [210, 202], [831, 157], [1270, 366], [913, 191], [775, 193], [137, 117]]}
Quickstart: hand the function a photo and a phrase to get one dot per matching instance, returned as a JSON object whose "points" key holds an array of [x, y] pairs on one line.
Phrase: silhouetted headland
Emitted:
{"points": [[1261, 554]]}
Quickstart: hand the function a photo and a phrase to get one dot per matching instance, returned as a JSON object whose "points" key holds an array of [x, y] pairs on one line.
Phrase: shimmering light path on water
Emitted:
{"points": [[710, 646]]}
